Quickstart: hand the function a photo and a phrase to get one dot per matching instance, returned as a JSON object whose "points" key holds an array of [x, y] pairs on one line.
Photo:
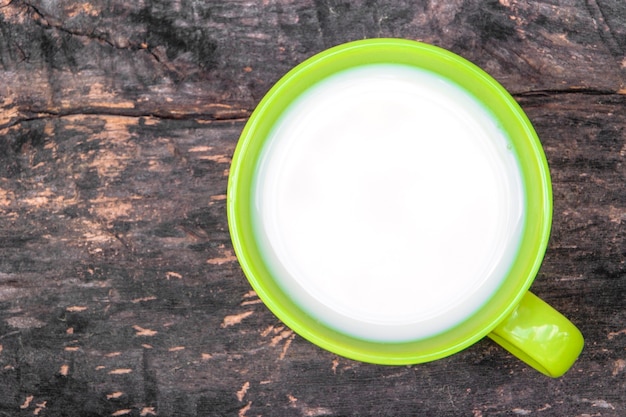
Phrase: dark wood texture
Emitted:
{"points": [[119, 291]]}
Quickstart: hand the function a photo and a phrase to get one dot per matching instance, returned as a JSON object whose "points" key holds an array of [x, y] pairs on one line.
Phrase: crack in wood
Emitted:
{"points": [[42, 20], [567, 91], [7, 4], [240, 114], [605, 31], [237, 115]]}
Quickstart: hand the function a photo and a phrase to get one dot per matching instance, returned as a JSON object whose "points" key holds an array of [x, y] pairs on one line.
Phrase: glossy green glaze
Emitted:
{"points": [[540, 336], [501, 308]]}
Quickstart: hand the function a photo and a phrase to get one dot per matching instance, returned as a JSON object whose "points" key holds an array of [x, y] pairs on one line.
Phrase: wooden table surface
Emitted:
{"points": [[120, 294]]}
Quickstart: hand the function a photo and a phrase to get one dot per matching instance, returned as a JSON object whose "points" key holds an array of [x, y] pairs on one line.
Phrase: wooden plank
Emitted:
{"points": [[119, 290], [117, 264], [216, 59]]}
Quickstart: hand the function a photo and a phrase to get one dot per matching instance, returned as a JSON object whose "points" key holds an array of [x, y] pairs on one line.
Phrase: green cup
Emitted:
{"points": [[507, 312]]}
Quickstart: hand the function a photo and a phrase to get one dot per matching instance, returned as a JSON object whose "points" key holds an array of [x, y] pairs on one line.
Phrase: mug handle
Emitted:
{"points": [[540, 336]]}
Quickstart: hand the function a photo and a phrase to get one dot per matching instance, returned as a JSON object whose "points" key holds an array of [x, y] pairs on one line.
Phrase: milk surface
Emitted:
{"points": [[388, 203]]}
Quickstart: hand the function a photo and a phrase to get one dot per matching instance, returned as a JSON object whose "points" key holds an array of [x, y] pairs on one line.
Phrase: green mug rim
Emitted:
{"points": [[495, 98]]}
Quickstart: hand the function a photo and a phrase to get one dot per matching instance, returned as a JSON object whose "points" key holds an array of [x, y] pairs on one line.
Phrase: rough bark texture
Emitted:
{"points": [[119, 290]]}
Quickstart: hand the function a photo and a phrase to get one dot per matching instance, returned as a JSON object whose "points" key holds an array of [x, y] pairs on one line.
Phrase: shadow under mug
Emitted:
{"points": [[512, 316]]}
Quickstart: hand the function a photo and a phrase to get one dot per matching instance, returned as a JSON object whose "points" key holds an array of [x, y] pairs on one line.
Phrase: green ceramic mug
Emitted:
{"points": [[390, 202]]}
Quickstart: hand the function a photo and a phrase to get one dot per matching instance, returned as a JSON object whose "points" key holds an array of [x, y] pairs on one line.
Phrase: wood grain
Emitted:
{"points": [[119, 290]]}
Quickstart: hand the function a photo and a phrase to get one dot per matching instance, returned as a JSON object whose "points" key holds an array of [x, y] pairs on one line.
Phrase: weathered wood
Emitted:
{"points": [[215, 59], [119, 290]]}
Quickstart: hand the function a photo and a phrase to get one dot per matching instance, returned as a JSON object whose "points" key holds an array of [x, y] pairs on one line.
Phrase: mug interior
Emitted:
{"points": [[504, 109]]}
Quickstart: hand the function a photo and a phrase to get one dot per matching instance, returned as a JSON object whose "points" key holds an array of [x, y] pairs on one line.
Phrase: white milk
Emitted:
{"points": [[389, 203]]}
